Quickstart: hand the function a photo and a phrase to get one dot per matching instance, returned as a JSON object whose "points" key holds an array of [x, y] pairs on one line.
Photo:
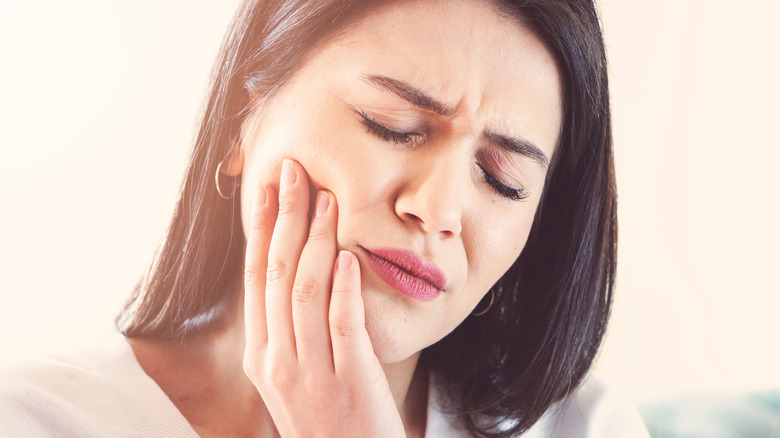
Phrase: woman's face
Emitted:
{"points": [[431, 123]]}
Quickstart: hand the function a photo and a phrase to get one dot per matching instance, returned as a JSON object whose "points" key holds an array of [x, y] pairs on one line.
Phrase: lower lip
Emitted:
{"points": [[401, 280]]}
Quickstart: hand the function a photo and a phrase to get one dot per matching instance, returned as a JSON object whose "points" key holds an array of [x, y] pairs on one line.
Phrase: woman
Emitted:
{"points": [[398, 220]]}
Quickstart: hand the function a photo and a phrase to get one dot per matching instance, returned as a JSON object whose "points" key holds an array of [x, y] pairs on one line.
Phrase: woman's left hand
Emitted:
{"points": [[307, 349]]}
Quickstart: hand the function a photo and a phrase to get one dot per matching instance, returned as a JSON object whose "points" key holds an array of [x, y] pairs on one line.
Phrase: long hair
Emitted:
{"points": [[501, 371], [553, 304]]}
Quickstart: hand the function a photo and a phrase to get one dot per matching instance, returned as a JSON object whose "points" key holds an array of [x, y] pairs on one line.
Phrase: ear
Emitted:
{"points": [[233, 164]]}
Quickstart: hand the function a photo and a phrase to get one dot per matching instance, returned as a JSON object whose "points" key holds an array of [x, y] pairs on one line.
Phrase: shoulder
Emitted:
{"points": [[66, 394], [97, 392], [594, 409]]}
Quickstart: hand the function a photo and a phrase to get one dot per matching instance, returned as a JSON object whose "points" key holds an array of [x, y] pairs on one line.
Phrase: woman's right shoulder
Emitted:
{"points": [[95, 392], [62, 395]]}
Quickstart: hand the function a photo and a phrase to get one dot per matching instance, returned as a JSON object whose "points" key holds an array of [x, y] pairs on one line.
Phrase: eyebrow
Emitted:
{"points": [[409, 94], [519, 146], [421, 100]]}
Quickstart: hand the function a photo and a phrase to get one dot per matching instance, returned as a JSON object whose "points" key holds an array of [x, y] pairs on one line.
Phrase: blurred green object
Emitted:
{"points": [[715, 416]]}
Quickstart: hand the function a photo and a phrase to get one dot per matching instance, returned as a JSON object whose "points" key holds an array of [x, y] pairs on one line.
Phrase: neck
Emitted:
{"points": [[226, 403]]}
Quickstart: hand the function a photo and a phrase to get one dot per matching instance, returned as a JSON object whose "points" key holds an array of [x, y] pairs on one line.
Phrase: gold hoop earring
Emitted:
{"points": [[490, 304], [216, 182]]}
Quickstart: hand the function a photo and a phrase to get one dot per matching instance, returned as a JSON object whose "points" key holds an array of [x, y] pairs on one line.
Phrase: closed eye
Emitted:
{"points": [[413, 139], [383, 132], [504, 190]]}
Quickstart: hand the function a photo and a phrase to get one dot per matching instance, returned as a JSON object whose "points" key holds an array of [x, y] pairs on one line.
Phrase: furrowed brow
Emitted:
{"points": [[409, 94], [519, 146], [422, 100]]}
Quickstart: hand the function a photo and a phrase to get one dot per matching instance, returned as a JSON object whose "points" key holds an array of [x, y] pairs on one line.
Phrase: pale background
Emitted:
{"points": [[98, 100]]}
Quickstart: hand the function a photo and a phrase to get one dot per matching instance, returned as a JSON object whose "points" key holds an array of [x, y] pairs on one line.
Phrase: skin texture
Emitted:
{"points": [[334, 351], [430, 198]]}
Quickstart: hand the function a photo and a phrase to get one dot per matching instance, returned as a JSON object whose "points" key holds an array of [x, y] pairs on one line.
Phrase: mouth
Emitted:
{"points": [[407, 272]]}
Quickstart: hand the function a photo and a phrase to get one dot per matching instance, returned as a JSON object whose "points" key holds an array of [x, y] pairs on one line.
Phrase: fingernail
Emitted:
{"points": [[288, 173], [345, 260], [322, 204]]}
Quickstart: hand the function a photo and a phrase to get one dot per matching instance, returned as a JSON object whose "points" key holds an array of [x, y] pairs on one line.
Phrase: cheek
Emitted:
{"points": [[334, 156], [495, 241]]}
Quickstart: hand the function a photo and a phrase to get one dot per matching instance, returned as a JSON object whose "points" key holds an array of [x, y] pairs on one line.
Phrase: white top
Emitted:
{"points": [[104, 392]]}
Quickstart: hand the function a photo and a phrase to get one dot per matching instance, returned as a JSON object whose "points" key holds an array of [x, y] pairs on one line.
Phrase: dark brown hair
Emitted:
{"points": [[501, 371]]}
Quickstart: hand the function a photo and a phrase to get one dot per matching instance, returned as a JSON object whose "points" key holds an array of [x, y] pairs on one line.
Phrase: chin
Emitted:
{"points": [[396, 333]]}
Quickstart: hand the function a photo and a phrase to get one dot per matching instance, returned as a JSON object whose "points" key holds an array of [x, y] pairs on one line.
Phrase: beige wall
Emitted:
{"points": [[98, 100], [695, 101]]}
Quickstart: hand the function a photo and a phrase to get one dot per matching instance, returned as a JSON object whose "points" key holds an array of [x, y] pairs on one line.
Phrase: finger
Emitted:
{"points": [[258, 240], [311, 291], [289, 236], [351, 344]]}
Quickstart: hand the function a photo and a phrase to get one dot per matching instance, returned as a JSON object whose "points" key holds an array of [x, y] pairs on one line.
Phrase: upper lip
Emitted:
{"points": [[409, 261]]}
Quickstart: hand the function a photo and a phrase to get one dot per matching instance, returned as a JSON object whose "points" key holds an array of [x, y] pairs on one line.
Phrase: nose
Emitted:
{"points": [[433, 196]]}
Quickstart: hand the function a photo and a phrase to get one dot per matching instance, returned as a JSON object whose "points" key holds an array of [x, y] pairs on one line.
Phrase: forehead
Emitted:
{"points": [[464, 54]]}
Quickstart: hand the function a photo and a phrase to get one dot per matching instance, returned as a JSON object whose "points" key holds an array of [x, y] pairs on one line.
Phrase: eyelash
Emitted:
{"points": [[503, 189], [386, 133], [397, 137]]}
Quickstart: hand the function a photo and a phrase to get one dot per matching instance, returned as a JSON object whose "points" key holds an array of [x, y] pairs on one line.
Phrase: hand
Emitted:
{"points": [[307, 349]]}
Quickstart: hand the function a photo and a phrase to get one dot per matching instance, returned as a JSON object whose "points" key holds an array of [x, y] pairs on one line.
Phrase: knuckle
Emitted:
{"points": [[342, 290], [319, 230], [276, 271], [253, 277], [288, 207], [318, 233], [344, 328], [257, 232], [305, 291], [257, 226]]}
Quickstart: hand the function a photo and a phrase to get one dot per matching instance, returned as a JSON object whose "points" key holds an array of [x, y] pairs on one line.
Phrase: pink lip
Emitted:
{"points": [[407, 272]]}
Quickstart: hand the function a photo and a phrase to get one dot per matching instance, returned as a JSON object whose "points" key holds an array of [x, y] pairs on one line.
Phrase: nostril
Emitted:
{"points": [[414, 217], [433, 205], [432, 225]]}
